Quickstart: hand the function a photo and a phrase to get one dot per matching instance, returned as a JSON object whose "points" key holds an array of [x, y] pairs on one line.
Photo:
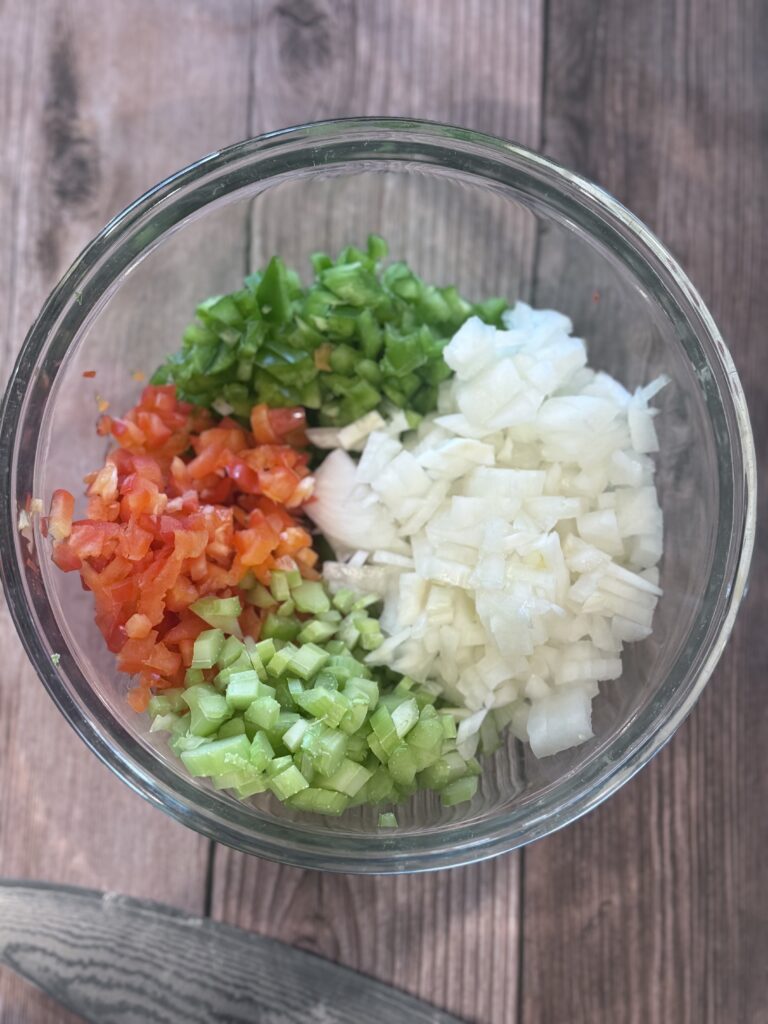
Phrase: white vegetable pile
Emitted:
{"points": [[513, 536]]}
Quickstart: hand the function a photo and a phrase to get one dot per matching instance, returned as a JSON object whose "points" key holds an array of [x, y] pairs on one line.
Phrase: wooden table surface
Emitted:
{"points": [[653, 909]]}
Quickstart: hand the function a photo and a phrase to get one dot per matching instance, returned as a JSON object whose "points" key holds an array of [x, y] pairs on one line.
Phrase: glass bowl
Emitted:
{"points": [[463, 208]]}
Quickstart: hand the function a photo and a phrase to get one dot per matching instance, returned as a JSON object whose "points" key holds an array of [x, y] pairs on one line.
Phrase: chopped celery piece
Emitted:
{"points": [[260, 597], [282, 724], [354, 717], [242, 663], [310, 597], [448, 723], [279, 586], [219, 612], [427, 734], [286, 608], [319, 801], [165, 723], [288, 783], [316, 632], [295, 689], [279, 764], [278, 627], [280, 661], [330, 750], [348, 631], [371, 641], [234, 727], [384, 728], [344, 600], [402, 765], [368, 688], [357, 747], [184, 741], [265, 649], [446, 769], [331, 617], [380, 787], [292, 737], [473, 767], [218, 756], [348, 778], [387, 820], [166, 702], [256, 784], [193, 676], [207, 648], [209, 710], [307, 660], [263, 712], [459, 791], [261, 751], [336, 647], [376, 748], [405, 716], [230, 652], [243, 689]]}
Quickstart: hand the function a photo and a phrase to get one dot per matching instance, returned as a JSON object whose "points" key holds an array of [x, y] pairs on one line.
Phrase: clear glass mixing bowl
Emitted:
{"points": [[463, 208]]}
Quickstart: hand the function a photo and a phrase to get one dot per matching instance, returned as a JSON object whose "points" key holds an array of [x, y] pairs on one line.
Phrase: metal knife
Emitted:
{"points": [[116, 960]]}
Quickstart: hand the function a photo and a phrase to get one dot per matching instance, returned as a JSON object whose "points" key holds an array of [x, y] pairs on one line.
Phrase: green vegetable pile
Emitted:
{"points": [[360, 337], [300, 714]]}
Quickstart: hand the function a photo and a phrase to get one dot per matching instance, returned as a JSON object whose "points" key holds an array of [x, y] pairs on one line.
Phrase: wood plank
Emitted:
{"points": [[653, 908], [450, 938], [97, 102]]}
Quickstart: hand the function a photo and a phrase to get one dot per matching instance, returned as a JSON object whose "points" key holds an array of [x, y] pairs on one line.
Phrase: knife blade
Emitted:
{"points": [[117, 960]]}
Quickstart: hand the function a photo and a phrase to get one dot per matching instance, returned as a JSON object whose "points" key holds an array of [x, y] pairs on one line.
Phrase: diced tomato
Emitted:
{"points": [[134, 541], [138, 627], [261, 425]]}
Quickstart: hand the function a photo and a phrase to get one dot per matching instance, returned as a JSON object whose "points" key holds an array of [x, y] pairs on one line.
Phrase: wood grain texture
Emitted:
{"points": [[653, 908], [450, 938], [95, 106]]}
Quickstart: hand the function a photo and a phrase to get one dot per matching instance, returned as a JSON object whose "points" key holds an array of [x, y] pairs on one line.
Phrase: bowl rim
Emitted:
{"points": [[285, 841]]}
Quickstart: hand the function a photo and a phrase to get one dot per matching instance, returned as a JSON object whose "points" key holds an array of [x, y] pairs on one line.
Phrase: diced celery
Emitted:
{"points": [[242, 663], [384, 728], [337, 647], [402, 765], [310, 597], [280, 661], [316, 632], [446, 769], [260, 597], [286, 608], [348, 778], [459, 791], [234, 727], [279, 586], [193, 676], [263, 712], [219, 612], [354, 716], [326, 680], [379, 787], [218, 756], [331, 748], [169, 701], [207, 648], [319, 801], [405, 685], [405, 716], [279, 764], [376, 748], [261, 751], [185, 741], [387, 820], [243, 689], [371, 641], [265, 649], [473, 767], [348, 631], [165, 723], [344, 599], [230, 652], [209, 710], [368, 688], [288, 783], [332, 617], [292, 737], [307, 660], [256, 784], [357, 747], [280, 628], [448, 723]]}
